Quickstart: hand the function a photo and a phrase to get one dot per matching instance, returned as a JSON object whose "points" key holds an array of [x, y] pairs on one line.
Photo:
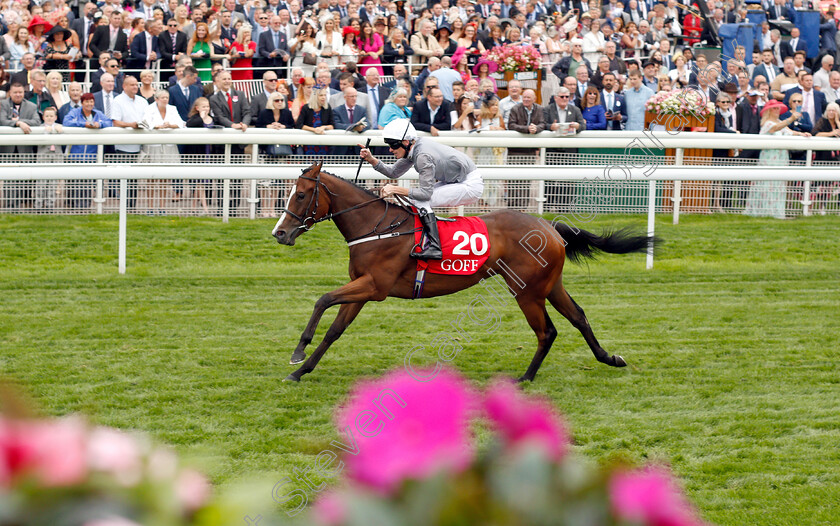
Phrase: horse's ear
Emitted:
{"points": [[320, 164]]}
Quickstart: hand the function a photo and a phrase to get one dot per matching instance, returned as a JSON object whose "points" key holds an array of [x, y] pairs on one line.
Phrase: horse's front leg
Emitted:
{"points": [[358, 290], [346, 314]]}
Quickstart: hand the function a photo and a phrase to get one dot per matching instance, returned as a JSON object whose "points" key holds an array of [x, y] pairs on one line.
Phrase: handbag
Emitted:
{"points": [[278, 150], [310, 59]]}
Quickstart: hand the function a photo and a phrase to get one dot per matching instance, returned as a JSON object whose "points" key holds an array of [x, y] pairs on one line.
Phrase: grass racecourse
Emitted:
{"points": [[732, 341]]}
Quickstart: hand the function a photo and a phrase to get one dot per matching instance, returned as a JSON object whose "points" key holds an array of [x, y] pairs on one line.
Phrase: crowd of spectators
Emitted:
{"points": [[323, 65]]}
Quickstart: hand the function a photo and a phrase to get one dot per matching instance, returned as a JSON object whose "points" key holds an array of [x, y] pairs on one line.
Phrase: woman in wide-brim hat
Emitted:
{"points": [[767, 198], [443, 34], [57, 52], [483, 69], [38, 28]]}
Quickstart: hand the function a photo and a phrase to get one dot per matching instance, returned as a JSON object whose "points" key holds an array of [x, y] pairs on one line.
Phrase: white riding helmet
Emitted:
{"points": [[399, 129]]}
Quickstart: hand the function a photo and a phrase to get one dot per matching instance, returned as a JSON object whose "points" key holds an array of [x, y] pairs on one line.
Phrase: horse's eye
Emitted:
{"points": [[300, 196]]}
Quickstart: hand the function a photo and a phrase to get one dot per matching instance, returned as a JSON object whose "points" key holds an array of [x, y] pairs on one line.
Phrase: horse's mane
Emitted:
{"points": [[371, 193]]}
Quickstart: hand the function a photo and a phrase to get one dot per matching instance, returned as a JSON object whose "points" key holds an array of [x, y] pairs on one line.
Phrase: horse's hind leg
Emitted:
{"points": [[566, 306], [539, 321], [346, 314]]}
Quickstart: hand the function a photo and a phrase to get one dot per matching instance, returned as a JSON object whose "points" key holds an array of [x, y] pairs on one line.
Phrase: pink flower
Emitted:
{"points": [[51, 451], [329, 510], [192, 489], [413, 428], [116, 453], [521, 420], [649, 496]]}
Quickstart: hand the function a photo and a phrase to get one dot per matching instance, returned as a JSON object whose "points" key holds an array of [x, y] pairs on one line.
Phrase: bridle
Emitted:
{"points": [[308, 220]]}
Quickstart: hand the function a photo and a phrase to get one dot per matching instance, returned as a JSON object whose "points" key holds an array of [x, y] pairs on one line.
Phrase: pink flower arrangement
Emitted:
{"points": [[419, 428], [686, 102], [64, 464], [418, 466], [514, 57], [650, 496], [523, 420]]}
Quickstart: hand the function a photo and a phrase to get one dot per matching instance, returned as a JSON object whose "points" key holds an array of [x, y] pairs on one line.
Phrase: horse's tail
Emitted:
{"points": [[582, 245]]}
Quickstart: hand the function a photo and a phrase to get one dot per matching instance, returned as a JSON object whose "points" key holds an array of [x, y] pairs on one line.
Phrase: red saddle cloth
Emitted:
{"points": [[465, 243]]}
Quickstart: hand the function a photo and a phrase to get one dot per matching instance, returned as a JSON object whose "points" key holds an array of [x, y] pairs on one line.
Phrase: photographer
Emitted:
{"points": [[304, 48]]}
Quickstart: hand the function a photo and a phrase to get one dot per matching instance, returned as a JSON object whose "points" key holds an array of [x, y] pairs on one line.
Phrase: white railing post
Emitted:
{"points": [[226, 190], [99, 199], [806, 188], [123, 223], [541, 197], [253, 200], [651, 221], [677, 197]]}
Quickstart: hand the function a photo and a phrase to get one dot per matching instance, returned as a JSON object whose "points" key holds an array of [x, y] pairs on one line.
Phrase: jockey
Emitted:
{"points": [[447, 177]]}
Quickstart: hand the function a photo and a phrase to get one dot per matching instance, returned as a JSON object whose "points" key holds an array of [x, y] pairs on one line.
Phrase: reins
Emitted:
{"points": [[308, 220]]}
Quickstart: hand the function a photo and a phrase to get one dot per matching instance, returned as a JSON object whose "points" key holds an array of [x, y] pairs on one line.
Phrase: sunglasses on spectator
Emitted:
{"points": [[562, 96], [271, 80]]}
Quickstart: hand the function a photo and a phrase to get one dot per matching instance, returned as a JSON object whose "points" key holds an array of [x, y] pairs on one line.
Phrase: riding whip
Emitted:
{"points": [[359, 169]]}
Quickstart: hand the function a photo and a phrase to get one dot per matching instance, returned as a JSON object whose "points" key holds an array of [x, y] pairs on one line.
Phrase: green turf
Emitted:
{"points": [[732, 342]]}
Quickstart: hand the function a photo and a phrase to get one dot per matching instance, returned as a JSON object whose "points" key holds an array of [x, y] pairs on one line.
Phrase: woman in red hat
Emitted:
{"points": [[349, 50], [767, 198], [38, 28]]}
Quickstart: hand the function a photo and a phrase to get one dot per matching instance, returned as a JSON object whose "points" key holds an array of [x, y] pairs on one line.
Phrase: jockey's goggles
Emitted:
{"points": [[394, 144]]}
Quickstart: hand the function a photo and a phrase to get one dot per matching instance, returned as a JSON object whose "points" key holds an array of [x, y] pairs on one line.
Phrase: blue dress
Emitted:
{"points": [[595, 117], [313, 149]]}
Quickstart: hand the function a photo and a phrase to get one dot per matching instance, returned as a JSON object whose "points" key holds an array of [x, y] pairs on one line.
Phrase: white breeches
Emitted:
{"points": [[454, 194]]}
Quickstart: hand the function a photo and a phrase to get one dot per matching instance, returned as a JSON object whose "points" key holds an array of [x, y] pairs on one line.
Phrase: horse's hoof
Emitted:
{"points": [[291, 378], [297, 358], [618, 361], [523, 379]]}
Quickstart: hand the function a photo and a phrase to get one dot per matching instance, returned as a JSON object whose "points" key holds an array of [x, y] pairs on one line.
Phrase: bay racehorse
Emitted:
{"points": [[380, 266]]}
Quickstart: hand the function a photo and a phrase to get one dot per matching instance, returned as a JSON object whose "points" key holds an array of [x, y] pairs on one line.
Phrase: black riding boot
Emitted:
{"points": [[432, 250]]}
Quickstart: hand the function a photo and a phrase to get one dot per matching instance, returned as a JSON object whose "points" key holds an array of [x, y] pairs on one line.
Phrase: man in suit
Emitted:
{"points": [[613, 102], [112, 67], [103, 59], [185, 92], [779, 48], [345, 116], [17, 112], [144, 49], [813, 101], [110, 38], [229, 106], [636, 10], [84, 27], [424, 44], [345, 80], [377, 95], [259, 101], [274, 47], [748, 120], [431, 114], [558, 113], [172, 45], [228, 32], [260, 27], [767, 69], [23, 76], [230, 109], [74, 91], [795, 43]]}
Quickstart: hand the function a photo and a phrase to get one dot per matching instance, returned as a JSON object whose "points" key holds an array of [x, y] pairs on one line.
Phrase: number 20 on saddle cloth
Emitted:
{"points": [[465, 244]]}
